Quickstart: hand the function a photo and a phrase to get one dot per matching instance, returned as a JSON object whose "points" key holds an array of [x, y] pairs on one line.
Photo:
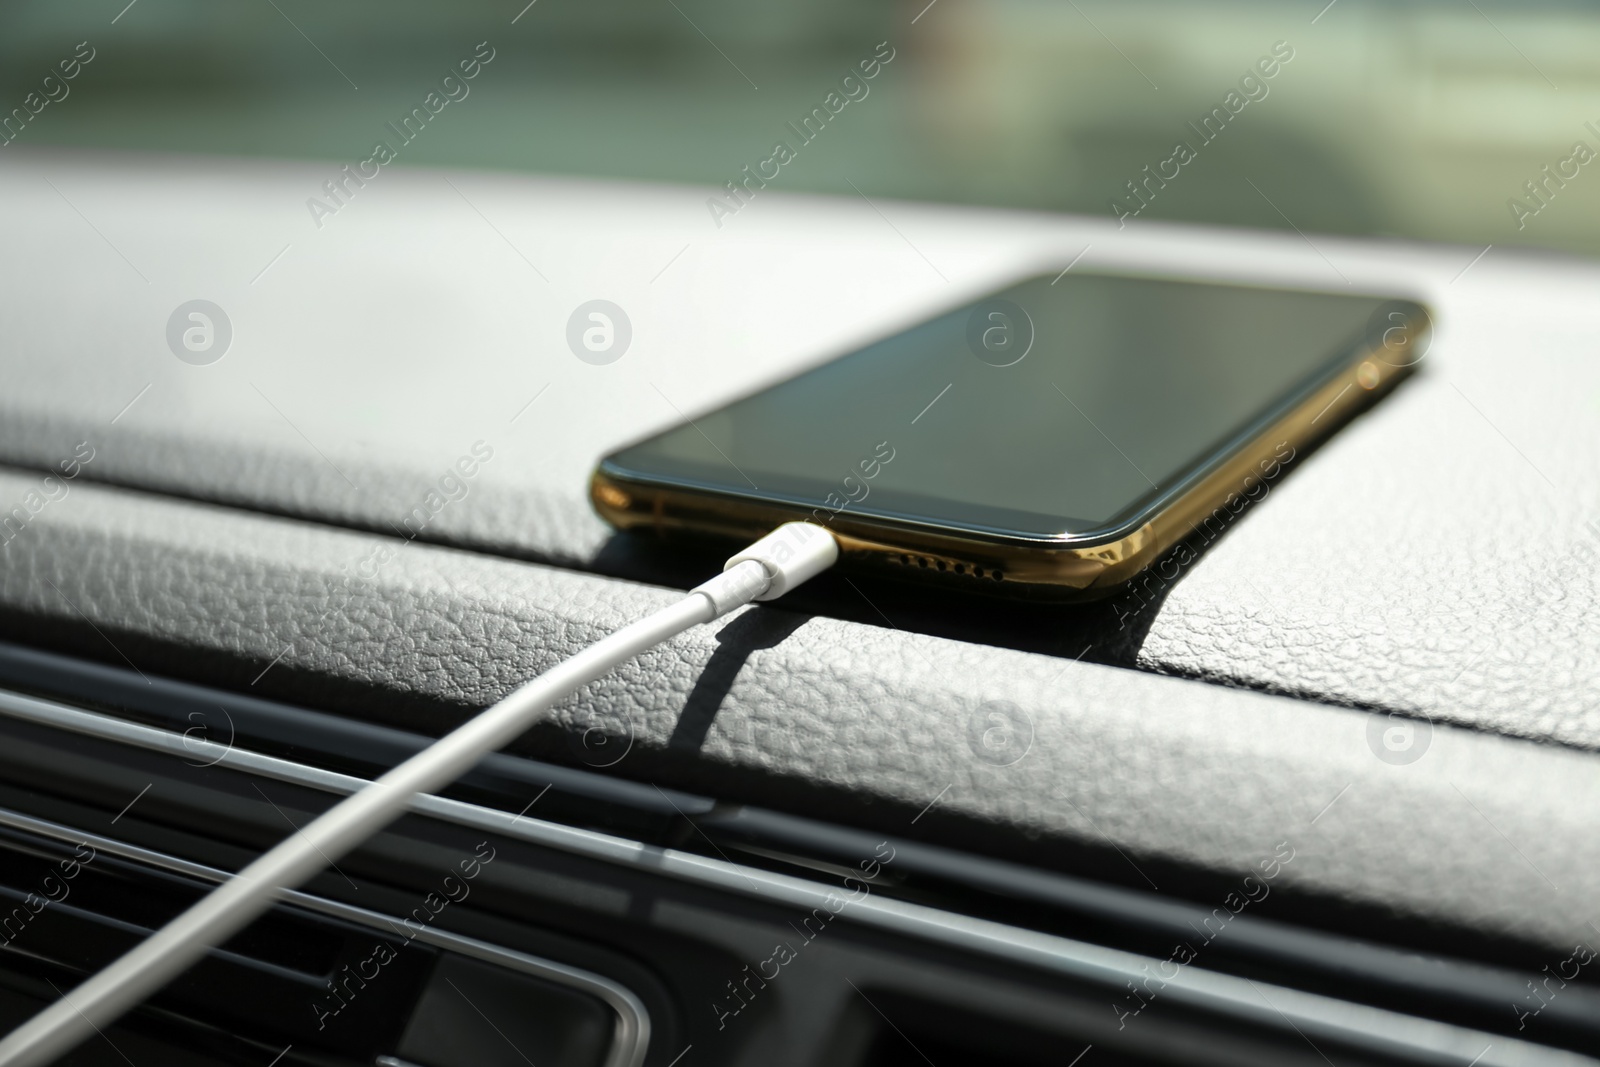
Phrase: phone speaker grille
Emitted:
{"points": [[949, 566]]}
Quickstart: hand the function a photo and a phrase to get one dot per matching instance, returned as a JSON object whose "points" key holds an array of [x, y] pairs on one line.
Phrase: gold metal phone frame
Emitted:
{"points": [[1064, 569]]}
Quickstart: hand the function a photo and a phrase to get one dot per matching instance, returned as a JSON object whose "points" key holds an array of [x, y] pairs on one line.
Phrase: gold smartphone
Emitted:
{"points": [[1050, 441]]}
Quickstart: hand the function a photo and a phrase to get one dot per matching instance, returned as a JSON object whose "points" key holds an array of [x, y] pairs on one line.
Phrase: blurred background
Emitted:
{"points": [[1417, 119]]}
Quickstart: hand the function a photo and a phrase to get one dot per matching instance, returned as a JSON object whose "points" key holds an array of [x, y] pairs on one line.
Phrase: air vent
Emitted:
{"points": [[903, 1031], [291, 976]]}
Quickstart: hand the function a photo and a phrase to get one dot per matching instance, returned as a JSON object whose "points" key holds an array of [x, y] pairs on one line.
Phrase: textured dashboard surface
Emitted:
{"points": [[1141, 779], [1435, 558]]}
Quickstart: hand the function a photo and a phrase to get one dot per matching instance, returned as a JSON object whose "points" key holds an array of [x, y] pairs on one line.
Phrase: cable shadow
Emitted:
{"points": [[749, 632]]}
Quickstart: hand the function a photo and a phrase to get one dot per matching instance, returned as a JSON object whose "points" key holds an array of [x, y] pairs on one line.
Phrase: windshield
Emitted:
{"points": [[1471, 122]]}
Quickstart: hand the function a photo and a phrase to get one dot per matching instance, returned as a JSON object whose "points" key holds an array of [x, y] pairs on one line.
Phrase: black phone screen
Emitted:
{"points": [[1058, 406]]}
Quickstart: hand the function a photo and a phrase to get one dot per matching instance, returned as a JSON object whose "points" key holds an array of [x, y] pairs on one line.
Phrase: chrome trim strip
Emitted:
{"points": [[631, 1037], [1423, 1041]]}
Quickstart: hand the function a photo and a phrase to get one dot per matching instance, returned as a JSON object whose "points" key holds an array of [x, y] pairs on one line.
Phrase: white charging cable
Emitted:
{"points": [[789, 555]]}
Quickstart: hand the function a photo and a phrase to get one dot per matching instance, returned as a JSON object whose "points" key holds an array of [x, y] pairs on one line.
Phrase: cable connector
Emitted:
{"points": [[734, 587], [789, 555], [793, 553]]}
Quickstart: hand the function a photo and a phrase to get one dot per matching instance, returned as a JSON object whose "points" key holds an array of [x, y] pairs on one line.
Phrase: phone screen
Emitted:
{"points": [[1058, 406]]}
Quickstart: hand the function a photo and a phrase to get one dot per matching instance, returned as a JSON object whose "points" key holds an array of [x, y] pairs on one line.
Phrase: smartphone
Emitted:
{"points": [[1050, 441]]}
